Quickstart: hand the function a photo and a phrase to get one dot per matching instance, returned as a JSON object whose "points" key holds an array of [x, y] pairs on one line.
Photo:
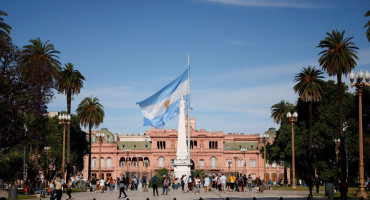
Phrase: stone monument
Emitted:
{"points": [[182, 163]]}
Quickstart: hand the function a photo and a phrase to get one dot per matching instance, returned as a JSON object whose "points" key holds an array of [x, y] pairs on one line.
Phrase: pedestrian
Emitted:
{"points": [[198, 183], [317, 183], [51, 189], [154, 185], [101, 184], [122, 182], [111, 184], [166, 183], [240, 183], [223, 182], [69, 188], [249, 182], [206, 183], [145, 183], [190, 183], [343, 189], [139, 184], [182, 183], [58, 188], [310, 186], [93, 184]]}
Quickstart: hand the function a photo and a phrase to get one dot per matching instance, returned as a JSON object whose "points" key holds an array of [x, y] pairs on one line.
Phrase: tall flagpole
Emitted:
{"points": [[189, 106]]}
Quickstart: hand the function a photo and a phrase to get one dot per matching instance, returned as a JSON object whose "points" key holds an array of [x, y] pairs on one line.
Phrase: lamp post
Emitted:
{"points": [[235, 158], [100, 137], [315, 147], [264, 141], [229, 162], [292, 119], [244, 163], [47, 150], [360, 85], [65, 120], [138, 166], [127, 153]]}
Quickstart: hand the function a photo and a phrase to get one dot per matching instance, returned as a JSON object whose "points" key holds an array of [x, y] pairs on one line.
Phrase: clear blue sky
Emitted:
{"points": [[243, 53]]}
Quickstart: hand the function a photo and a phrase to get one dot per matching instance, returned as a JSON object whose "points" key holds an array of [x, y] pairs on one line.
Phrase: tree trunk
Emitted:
{"points": [[68, 135], [36, 159], [342, 153], [89, 169], [309, 153]]}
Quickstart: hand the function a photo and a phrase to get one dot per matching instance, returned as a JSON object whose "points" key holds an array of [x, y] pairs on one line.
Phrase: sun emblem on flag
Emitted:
{"points": [[166, 104]]}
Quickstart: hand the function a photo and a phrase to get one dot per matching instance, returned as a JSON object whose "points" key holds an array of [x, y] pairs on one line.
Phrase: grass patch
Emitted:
{"points": [[24, 196]]}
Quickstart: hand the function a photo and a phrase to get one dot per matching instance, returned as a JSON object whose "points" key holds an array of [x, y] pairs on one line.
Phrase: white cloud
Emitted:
{"points": [[264, 3]]}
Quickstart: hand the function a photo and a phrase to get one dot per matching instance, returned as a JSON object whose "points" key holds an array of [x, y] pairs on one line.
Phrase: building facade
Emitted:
{"points": [[211, 152]]}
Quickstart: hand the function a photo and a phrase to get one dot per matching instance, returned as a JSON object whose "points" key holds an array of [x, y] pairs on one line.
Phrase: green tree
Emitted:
{"points": [[279, 111], [91, 113], [39, 69], [70, 82], [368, 25], [337, 58], [308, 87], [4, 28]]}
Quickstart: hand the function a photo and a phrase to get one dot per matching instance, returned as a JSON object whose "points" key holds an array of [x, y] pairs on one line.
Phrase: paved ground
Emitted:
{"points": [[214, 195]]}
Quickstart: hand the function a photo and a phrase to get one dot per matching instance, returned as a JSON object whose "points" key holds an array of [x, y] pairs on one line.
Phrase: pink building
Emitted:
{"points": [[210, 152]]}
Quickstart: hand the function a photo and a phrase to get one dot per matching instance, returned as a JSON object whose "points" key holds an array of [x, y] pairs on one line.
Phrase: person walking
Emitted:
{"points": [[223, 183], [93, 184], [190, 183], [310, 186], [122, 182], [198, 183], [154, 185], [101, 184], [51, 189], [58, 189], [185, 181], [317, 183], [139, 184], [232, 182], [69, 188], [166, 183], [145, 183], [206, 183], [249, 182]]}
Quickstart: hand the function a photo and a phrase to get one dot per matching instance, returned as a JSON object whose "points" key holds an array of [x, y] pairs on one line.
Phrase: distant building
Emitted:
{"points": [[210, 152]]}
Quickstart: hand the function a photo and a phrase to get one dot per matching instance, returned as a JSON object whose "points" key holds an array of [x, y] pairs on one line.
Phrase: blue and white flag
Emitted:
{"points": [[164, 105]]}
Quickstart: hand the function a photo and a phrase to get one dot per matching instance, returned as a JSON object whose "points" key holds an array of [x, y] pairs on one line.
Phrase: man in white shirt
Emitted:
{"points": [[223, 182], [185, 179]]}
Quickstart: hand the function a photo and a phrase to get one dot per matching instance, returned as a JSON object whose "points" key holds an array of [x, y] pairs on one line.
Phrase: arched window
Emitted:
{"points": [[213, 162], [216, 145], [210, 144], [94, 164], [122, 162], [195, 143], [161, 144], [109, 162], [160, 162], [213, 144], [191, 144], [164, 144], [157, 144], [252, 163], [102, 162]]}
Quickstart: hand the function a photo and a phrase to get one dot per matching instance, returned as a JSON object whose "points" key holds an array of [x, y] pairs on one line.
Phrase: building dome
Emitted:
{"points": [[109, 137]]}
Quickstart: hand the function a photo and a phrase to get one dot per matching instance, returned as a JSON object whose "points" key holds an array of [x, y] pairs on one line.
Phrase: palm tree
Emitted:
{"points": [[69, 83], [368, 26], [40, 68], [279, 111], [4, 28], [337, 58], [308, 87], [91, 113]]}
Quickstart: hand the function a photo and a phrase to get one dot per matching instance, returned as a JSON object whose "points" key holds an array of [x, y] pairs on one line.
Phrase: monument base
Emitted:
{"points": [[182, 167]]}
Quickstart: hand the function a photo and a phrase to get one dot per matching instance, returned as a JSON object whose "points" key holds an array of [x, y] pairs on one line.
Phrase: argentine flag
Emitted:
{"points": [[164, 105]]}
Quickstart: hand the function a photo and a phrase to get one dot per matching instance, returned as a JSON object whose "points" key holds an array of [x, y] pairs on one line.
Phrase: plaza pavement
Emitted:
{"points": [[179, 195]]}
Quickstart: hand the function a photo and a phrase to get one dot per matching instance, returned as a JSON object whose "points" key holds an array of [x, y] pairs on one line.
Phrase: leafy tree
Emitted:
{"points": [[91, 113], [337, 58], [4, 28], [69, 83], [279, 111], [159, 176], [308, 87], [199, 172], [368, 25], [39, 69]]}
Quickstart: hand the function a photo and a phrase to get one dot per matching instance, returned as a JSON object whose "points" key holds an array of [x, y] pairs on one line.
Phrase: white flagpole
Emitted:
{"points": [[189, 106]]}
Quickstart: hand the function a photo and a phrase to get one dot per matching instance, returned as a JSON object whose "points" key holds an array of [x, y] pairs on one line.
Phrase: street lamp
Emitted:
{"points": [[229, 162], [315, 147], [47, 150], [359, 85], [264, 141], [292, 119], [138, 166], [244, 163], [100, 137], [235, 158], [337, 144], [64, 119], [127, 153]]}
